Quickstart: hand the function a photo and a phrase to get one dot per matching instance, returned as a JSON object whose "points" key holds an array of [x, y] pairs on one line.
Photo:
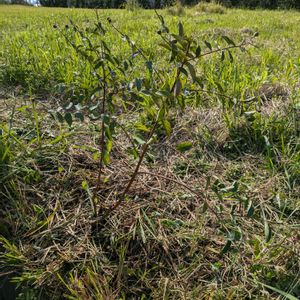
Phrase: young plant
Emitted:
{"points": [[156, 96]]}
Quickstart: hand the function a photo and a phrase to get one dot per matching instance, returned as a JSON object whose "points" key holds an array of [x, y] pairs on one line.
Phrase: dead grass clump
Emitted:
{"points": [[176, 10], [247, 31], [274, 98], [271, 98], [210, 8], [269, 91]]}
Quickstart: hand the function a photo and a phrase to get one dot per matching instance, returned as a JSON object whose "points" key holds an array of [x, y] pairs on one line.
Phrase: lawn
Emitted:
{"points": [[136, 164]]}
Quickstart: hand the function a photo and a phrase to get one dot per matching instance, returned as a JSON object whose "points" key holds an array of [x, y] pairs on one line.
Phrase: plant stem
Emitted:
{"points": [[136, 171], [102, 143]]}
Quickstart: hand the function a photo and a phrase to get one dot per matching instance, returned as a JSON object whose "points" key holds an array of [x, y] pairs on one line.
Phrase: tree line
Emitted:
{"points": [[268, 4]]}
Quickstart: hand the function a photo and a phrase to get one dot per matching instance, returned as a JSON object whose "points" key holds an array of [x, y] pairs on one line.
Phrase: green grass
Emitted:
{"points": [[218, 221]]}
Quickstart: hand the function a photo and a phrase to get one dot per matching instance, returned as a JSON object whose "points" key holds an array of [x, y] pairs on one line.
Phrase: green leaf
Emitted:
{"points": [[69, 106], [227, 247], [180, 29], [205, 207], [232, 188], [200, 82], [165, 29], [78, 106], [267, 141], [134, 153], [177, 88], [143, 234], [168, 127], [297, 106], [99, 64], [109, 145], [138, 84], [184, 71], [228, 40], [250, 115], [222, 56], [106, 158], [208, 45], [174, 52], [79, 116], [230, 56], [94, 107], [142, 127], [84, 185], [161, 19], [96, 155], [161, 114], [250, 209], [165, 45], [109, 58], [192, 71], [184, 146], [285, 294], [219, 86], [149, 66], [139, 140], [198, 51], [59, 117], [68, 118], [268, 232], [163, 93], [125, 64]]}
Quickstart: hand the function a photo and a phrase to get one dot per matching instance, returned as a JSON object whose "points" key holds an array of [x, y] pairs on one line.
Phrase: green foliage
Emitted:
{"points": [[155, 96], [4, 156]]}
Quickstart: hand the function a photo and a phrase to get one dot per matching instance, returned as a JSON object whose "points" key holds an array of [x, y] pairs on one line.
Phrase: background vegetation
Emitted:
{"points": [[268, 4]]}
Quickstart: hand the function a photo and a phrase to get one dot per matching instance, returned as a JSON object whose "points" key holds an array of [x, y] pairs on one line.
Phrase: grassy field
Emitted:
{"points": [[213, 209]]}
